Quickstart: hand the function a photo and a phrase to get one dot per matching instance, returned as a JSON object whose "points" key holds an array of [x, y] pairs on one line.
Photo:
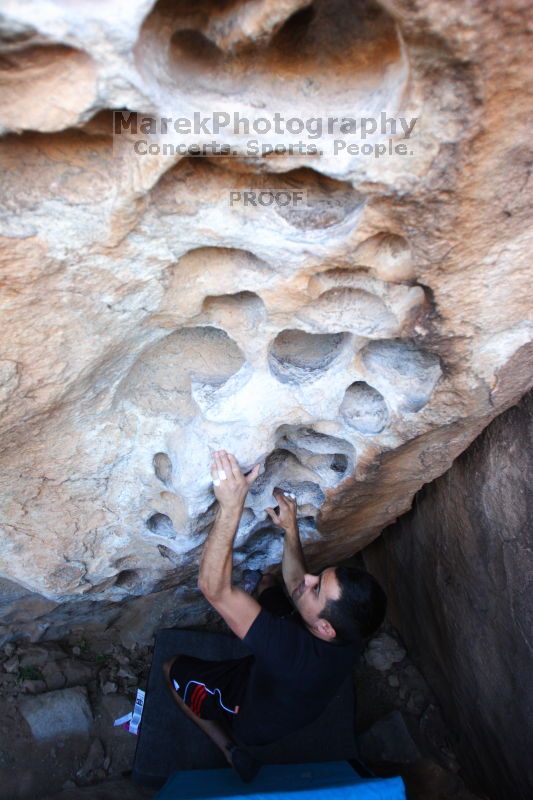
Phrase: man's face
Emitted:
{"points": [[310, 598]]}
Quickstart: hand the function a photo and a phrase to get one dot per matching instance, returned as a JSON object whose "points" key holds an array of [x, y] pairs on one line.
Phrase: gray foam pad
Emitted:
{"points": [[169, 741]]}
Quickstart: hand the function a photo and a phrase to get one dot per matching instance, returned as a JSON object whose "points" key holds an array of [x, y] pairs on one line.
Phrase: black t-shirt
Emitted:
{"points": [[292, 679]]}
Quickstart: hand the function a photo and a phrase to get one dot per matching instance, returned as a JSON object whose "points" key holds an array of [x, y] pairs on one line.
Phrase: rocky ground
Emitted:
{"points": [[59, 700], [401, 727]]}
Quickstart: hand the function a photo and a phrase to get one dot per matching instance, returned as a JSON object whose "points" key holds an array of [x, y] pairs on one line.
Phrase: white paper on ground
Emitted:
{"points": [[122, 720], [137, 712]]}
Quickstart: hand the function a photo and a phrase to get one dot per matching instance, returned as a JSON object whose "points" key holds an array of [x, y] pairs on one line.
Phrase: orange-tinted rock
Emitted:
{"points": [[354, 344]]}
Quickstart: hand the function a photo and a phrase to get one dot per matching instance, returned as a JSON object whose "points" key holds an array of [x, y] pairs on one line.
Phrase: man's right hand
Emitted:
{"points": [[230, 485], [285, 517]]}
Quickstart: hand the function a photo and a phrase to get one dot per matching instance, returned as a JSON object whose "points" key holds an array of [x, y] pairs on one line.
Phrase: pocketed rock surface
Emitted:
{"points": [[353, 345]]}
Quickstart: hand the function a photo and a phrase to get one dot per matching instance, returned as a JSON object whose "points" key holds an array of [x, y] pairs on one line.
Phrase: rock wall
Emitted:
{"points": [[458, 568], [354, 346]]}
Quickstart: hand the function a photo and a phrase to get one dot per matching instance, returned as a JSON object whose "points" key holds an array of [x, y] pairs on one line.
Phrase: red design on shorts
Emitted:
{"points": [[197, 699]]}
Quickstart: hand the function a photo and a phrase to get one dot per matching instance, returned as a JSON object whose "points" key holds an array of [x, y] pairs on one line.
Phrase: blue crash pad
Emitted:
{"points": [[334, 780]]}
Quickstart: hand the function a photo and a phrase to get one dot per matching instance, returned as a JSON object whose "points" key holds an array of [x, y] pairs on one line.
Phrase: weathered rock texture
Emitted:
{"points": [[459, 572], [355, 346]]}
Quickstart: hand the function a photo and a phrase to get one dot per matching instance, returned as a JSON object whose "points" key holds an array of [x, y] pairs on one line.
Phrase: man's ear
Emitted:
{"points": [[325, 628]]}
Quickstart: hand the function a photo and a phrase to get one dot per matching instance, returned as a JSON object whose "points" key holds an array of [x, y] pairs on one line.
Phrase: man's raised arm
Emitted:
{"points": [[215, 579], [293, 565]]}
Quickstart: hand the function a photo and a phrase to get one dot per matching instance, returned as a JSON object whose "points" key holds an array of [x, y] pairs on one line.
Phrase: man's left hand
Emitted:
{"points": [[230, 485]]}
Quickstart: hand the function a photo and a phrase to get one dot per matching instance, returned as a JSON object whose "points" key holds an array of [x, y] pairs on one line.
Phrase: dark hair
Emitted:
{"points": [[360, 609]]}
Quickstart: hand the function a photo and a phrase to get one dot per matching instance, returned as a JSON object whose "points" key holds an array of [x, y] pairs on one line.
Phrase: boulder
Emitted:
{"points": [[467, 619], [383, 651], [58, 715], [388, 740], [353, 340]]}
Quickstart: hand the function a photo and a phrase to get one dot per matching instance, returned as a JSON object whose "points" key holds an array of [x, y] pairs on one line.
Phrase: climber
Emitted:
{"points": [[302, 649]]}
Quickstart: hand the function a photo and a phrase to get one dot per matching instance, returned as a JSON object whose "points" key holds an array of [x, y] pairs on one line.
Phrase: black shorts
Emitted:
{"points": [[213, 690]]}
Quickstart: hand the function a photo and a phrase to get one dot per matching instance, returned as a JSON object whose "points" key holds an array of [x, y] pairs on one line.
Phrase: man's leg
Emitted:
{"points": [[213, 729], [237, 757]]}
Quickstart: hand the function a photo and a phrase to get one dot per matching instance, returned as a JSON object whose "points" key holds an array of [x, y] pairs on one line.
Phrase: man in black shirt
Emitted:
{"points": [[301, 653]]}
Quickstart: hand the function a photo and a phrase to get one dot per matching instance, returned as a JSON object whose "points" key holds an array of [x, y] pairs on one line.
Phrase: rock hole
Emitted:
{"points": [[160, 381], [405, 374], [317, 49], [127, 579], [327, 458], [295, 29], [192, 49], [161, 525], [354, 310], [26, 73], [327, 201], [339, 463], [297, 356], [389, 255], [284, 470], [364, 409], [163, 467], [245, 309]]}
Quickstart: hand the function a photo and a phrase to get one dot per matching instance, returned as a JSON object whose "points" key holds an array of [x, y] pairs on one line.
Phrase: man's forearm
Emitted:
{"points": [[217, 557], [293, 564]]}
